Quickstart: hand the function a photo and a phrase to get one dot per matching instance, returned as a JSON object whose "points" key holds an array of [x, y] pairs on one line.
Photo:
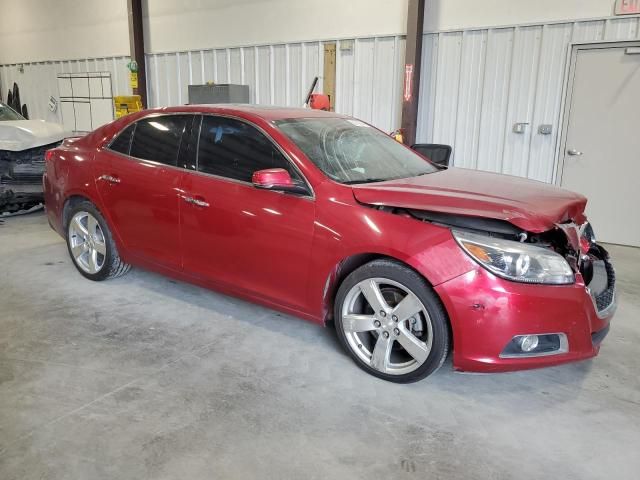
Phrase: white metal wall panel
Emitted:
{"points": [[184, 73], [621, 29], [368, 76], [476, 84], [448, 82], [235, 65], [263, 75], [493, 118], [428, 89], [295, 85], [221, 59], [467, 134], [345, 77], [526, 56], [363, 84], [313, 64], [369, 80], [592, 31], [209, 72], [249, 71], [385, 84], [39, 81], [280, 79], [548, 98]]}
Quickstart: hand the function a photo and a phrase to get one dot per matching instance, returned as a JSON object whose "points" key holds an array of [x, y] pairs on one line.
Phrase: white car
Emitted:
{"points": [[23, 144]]}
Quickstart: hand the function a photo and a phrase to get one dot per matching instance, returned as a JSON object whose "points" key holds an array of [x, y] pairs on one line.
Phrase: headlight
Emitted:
{"points": [[520, 262]]}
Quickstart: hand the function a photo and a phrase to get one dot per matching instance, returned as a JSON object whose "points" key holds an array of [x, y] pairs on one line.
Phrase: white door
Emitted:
{"points": [[602, 147]]}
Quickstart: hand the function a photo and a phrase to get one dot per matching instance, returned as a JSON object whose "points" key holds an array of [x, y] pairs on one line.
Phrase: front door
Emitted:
{"points": [[602, 148], [139, 181], [258, 241]]}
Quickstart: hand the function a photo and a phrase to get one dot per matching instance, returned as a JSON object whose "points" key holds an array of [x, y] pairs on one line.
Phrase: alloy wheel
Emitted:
{"points": [[87, 242], [387, 326]]}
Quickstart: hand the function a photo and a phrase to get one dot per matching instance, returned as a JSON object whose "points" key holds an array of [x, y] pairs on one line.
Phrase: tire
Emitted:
{"points": [[392, 343], [106, 263]]}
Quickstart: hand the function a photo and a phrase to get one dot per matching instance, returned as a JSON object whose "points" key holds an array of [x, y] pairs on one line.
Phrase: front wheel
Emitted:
{"points": [[391, 322]]}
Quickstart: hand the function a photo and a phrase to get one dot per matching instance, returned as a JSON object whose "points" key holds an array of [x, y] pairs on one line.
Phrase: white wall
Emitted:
{"points": [[195, 24], [461, 14], [36, 30], [476, 84]]}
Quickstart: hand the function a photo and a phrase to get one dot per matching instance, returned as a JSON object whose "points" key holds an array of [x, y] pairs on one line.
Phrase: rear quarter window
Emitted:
{"points": [[122, 143]]}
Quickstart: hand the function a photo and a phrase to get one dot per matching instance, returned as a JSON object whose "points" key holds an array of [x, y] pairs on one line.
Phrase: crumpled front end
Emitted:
{"points": [[21, 177], [502, 325]]}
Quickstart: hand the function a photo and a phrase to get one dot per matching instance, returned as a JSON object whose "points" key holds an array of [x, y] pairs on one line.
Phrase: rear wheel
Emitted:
{"points": [[391, 322], [91, 244]]}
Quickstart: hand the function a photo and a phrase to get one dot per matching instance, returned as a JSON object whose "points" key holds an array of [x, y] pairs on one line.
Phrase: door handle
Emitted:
{"points": [[109, 178], [573, 152], [199, 203], [195, 201]]}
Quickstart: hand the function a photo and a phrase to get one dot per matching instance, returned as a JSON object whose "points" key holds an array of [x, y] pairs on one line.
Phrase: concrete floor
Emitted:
{"points": [[146, 378]]}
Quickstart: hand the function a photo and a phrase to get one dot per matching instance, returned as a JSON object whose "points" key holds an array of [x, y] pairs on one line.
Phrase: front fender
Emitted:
{"points": [[344, 231]]}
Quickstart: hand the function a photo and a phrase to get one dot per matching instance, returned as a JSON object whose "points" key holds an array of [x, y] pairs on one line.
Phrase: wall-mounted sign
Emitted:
{"points": [[627, 7], [408, 82], [53, 104], [133, 79]]}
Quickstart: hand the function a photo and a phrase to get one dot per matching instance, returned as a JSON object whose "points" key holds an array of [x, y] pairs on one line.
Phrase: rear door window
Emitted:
{"points": [[158, 138], [234, 149]]}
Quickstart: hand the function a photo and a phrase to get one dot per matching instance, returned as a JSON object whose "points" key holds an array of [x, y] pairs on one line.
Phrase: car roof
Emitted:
{"points": [[266, 112]]}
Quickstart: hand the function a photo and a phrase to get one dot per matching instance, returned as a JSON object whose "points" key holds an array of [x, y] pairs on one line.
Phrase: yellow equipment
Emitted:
{"points": [[126, 104]]}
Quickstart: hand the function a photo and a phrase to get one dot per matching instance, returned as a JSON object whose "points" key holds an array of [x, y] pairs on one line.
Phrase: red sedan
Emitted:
{"points": [[327, 218]]}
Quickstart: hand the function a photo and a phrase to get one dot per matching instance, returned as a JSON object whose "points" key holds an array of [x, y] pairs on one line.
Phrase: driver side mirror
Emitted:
{"points": [[438, 154], [277, 179]]}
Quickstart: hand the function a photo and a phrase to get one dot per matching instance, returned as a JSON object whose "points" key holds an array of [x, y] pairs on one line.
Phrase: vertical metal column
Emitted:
{"points": [[413, 64], [136, 46]]}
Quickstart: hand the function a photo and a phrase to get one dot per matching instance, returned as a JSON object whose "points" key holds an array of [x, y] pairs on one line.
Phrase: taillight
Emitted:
{"points": [[48, 155]]}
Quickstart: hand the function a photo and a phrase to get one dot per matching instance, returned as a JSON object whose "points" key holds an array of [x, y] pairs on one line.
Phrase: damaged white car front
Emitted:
{"points": [[23, 144]]}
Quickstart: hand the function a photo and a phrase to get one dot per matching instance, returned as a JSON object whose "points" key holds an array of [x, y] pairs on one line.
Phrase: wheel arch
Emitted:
{"points": [[78, 197], [69, 203], [350, 264]]}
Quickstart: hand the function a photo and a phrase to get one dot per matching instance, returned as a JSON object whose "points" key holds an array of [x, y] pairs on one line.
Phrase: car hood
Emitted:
{"points": [[18, 135], [528, 204]]}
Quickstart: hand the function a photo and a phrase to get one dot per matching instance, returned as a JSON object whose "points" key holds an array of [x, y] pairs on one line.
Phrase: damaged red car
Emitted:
{"points": [[329, 219]]}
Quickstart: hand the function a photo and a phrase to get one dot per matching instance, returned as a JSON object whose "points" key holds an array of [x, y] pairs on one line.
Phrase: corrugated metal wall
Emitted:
{"points": [[39, 81], [368, 75], [476, 84]]}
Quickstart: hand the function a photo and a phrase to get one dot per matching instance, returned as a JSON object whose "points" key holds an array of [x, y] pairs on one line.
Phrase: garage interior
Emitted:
{"points": [[147, 377]]}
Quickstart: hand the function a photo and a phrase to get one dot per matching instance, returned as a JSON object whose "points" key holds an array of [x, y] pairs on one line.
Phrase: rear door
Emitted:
{"points": [[258, 241], [138, 183]]}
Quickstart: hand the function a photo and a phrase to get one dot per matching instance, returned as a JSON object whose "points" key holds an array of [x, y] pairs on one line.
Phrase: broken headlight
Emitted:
{"points": [[520, 262]]}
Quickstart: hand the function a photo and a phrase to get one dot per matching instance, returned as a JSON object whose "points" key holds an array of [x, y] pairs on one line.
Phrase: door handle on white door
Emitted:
{"points": [[573, 152]]}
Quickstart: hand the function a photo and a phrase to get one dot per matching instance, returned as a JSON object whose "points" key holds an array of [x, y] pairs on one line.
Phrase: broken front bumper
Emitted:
{"points": [[488, 312], [21, 177]]}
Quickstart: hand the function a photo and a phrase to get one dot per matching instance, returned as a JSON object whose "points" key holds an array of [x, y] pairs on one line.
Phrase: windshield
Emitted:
{"points": [[7, 113], [350, 151]]}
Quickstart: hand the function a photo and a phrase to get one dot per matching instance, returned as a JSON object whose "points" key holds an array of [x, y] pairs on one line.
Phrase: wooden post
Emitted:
{"points": [[411, 74], [136, 47], [329, 74]]}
